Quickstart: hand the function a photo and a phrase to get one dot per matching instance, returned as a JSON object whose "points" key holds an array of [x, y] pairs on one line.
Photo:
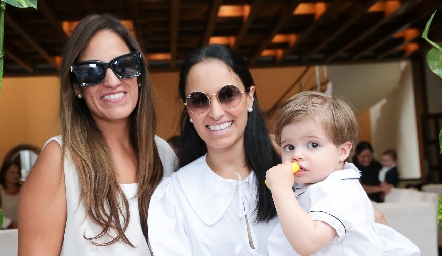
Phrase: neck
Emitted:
{"points": [[116, 133], [117, 138], [225, 162]]}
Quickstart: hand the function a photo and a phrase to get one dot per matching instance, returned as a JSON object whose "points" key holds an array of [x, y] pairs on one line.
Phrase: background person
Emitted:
{"points": [[217, 203], [89, 190], [369, 168], [10, 187], [389, 175]]}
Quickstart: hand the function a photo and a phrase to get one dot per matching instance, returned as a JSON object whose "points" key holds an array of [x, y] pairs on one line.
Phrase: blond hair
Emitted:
{"points": [[334, 114]]}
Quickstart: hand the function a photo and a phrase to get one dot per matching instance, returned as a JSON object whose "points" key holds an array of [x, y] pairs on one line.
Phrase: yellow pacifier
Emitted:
{"points": [[295, 168]]}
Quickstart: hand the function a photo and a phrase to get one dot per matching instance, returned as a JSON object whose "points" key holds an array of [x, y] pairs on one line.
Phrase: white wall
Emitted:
{"points": [[364, 84], [393, 125]]}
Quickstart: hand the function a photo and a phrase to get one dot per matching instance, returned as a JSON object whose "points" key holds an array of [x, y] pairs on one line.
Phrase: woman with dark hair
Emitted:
{"points": [[89, 190], [10, 186], [217, 203], [369, 168]]}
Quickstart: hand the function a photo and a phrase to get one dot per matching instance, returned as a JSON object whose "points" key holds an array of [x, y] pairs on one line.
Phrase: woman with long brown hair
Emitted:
{"points": [[89, 191]]}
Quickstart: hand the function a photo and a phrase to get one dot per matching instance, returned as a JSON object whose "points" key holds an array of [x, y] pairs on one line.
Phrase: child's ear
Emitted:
{"points": [[344, 151]]}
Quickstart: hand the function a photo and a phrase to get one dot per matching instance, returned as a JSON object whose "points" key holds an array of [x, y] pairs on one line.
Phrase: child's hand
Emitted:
{"points": [[280, 176]]}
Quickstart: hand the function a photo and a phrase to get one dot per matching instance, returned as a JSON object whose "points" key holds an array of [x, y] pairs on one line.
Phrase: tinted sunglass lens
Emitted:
{"points": [[229, 96], [127, 66], [90, 74], [197, 102]]}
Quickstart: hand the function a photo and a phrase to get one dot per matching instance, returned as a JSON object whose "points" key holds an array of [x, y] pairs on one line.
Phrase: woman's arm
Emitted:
{"points": [[42, 205], [381, 188], [379, 216], [370, 189]]}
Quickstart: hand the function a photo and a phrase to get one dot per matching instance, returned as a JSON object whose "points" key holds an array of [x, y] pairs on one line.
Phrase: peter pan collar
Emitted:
{"points": [[210, 195], [349, 172]]}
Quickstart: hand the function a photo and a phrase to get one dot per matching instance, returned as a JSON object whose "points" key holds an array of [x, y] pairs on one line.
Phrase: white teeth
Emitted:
{"points": [[114, 96], [220, 127]]}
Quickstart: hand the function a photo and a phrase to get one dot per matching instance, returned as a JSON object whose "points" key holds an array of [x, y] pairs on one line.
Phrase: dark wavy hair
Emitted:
{"points": [[259, 151], [362, 145], [6, 165]]}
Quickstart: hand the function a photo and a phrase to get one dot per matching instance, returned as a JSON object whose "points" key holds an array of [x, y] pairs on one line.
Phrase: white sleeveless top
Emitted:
{"points": [[78, 226], [9, 204]]}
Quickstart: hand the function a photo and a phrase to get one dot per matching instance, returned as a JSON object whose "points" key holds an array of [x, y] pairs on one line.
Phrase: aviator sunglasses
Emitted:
{"points": [[229, 97], [93, 72]]}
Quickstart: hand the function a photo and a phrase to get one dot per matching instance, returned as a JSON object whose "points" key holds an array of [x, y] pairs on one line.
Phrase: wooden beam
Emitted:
{"points": [[332, 10], [88, 6], [19, 61], [371, 30], [422, 12], [383, 39], [358, 9], [213, 15], [392, 48], [133, 9], [52, 19], [247, 23], [174, 23], [17, 28], [286, 15]]}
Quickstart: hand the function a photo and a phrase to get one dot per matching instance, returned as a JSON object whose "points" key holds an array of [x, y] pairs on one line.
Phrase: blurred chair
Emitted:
{"points": [[435, 188], [9, 242], [413, 214]]}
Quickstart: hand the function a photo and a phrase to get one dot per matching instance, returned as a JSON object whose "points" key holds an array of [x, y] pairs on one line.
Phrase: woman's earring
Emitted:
{"points": [[80, 96], [139, 85], [250, 110], [190, 120]]}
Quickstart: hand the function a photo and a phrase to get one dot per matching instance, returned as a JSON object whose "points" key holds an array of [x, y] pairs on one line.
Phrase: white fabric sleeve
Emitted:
{"points": [[167, 156], [331, 206], [167, 227], [395, 243]]}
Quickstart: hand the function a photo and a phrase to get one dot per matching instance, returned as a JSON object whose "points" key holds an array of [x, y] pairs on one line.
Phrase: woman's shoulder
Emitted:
{"points": [[57, 139], [167, 156], [164, 193]]}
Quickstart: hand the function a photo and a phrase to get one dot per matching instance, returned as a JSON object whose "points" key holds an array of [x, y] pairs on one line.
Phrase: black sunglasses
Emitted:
{"points": [[229, 96], [93, 72]]}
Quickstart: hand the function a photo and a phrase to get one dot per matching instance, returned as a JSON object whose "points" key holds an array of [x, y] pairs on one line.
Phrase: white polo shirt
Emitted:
{"points": [[341, 202]]}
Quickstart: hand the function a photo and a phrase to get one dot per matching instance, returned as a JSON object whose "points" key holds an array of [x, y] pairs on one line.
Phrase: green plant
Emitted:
{"points": [[434, 57], [19, 4], [434, 60], [16, 3]]}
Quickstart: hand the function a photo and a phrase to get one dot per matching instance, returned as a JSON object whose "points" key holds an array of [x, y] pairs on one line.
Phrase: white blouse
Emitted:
{"points": [[197, 212]]}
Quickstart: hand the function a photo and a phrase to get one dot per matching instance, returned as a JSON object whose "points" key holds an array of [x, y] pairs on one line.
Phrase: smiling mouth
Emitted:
{"points": [[220, 127], [114, 96]]}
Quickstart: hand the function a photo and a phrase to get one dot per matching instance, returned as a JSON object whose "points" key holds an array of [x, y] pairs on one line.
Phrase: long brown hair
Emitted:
{"points": [[84, 143]]}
